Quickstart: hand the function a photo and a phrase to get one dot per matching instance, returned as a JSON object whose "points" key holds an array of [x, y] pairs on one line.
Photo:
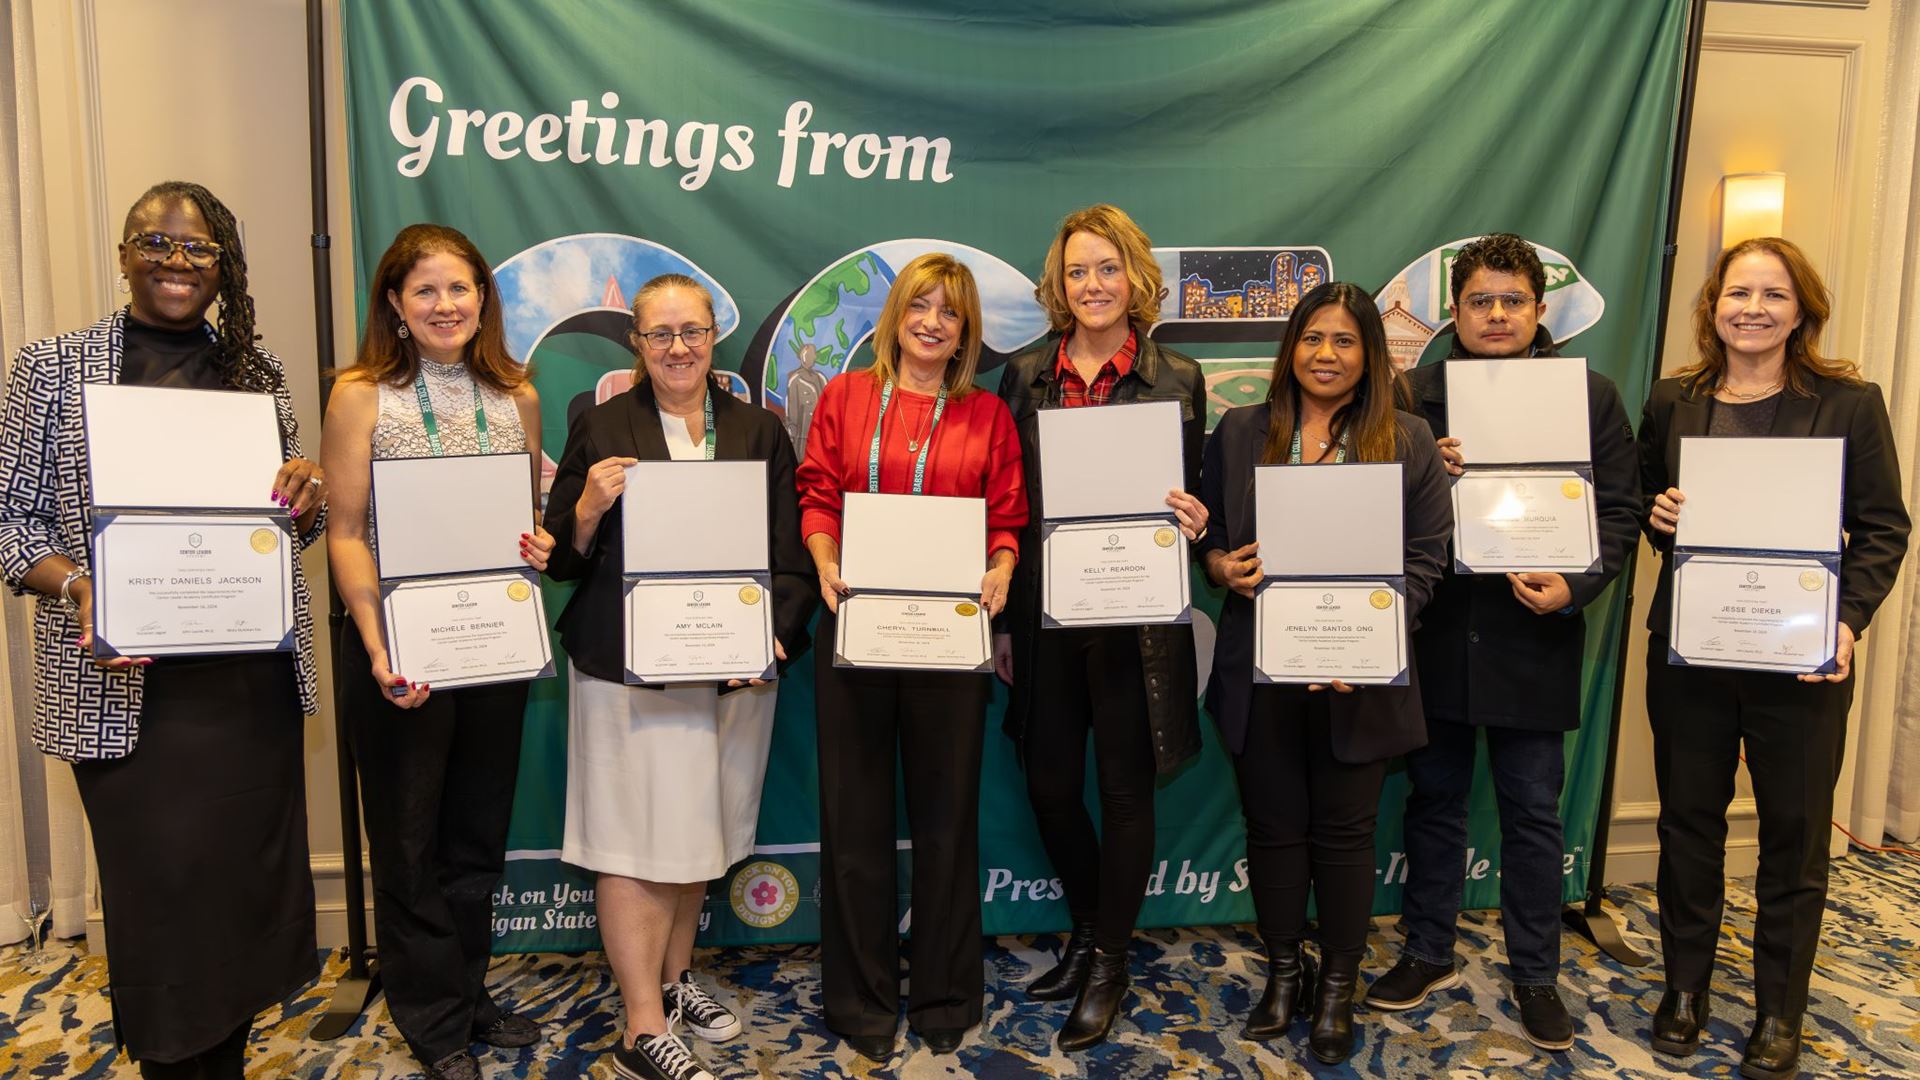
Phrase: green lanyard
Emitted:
{"points": [[1339, 452], [707, 402], [479, 417], [919, 465]]}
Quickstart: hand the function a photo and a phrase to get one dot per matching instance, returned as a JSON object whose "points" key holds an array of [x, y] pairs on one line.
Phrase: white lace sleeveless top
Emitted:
{"points": [[399, 432]]}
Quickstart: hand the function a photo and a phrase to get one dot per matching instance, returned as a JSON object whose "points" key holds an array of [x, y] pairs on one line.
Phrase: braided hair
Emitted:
{"points": [[240, 363]]}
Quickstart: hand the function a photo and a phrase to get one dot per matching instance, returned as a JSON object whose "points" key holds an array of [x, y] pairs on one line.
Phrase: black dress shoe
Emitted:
{"points": [[1289, 989], [1331, 1038], [458, 1065], [1678, 1021], [1066, 978], [1773, 1050], [508, 1032], [1098, 1003], [943, 1040], [872, 1047]]}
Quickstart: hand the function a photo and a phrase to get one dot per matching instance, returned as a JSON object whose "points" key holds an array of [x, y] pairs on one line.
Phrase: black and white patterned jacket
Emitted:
{"points": [[82, 712]]}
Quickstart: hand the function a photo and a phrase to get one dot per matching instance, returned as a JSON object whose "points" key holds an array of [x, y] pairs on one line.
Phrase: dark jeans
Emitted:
{"points": [[1090, 681], [1528, 769], [436, 785], [1310, 819], [1794, 736], [933, 726]]}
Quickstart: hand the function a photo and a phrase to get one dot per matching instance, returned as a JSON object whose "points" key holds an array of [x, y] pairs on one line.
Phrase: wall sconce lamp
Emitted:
{"points": [[1750, 205]]}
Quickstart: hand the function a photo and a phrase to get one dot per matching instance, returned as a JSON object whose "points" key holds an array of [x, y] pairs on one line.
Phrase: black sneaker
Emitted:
{"points": [[658, 1057], [704, 1016], [1409, 983], [1543, 1017]]}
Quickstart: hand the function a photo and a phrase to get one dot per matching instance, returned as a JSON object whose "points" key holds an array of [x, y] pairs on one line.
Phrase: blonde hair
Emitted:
{"points": [[932, 271], [654, 287], [1803, 344], [1109, 223]]}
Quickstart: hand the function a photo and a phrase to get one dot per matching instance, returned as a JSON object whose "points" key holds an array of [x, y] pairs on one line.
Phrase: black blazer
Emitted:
{"points": [[1373, 723], [1873, 514], [1487, 659], [629, 426]]}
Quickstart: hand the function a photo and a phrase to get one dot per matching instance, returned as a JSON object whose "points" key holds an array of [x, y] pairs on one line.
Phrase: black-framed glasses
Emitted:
{"points": [[159, 247], [694, 336], [1482, 302]]}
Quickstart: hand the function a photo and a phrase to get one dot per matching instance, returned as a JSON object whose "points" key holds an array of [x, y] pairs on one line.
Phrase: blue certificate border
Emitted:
{"points": [[1827, 561]]}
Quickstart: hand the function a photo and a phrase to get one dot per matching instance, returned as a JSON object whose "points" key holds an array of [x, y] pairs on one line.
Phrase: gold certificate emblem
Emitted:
{"points": [[967, 611], [1572, 489], [518, 591], [1163, 537], [264, 541], [749, 594], [1381, 599], [1811, 580]]}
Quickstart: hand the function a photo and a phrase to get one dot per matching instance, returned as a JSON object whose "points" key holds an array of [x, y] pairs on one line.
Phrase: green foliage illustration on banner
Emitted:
{"points": [[794, 155]]}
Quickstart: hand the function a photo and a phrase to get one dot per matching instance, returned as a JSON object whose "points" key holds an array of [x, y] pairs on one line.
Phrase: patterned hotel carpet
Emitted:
{"points": [[1191, 990]]}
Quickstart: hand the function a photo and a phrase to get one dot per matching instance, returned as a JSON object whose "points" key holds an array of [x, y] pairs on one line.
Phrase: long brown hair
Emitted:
{"points": [[936, 269], [386, 357], [1367, 421], [654, 287], [1110, 223], [1707, 372]]}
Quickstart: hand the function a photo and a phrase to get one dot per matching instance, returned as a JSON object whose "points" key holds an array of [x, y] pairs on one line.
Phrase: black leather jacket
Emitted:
{"points": [[1166, 652]]}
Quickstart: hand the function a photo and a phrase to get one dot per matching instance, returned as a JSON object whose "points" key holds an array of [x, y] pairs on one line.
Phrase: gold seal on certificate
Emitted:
{"points": [[1381, 599], [1573, 489], [1518, 520], [1164, 537], [912, 631], [1812, 579], [264, 541], [749, 594], [519, 591], [966, 611]]}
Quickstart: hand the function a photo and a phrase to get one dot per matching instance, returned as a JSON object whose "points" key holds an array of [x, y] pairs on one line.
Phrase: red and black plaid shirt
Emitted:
{"points": [[1075, 392]]}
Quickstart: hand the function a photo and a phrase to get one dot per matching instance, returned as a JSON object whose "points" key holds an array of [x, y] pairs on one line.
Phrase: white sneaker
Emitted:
{"points": [[704, 1016], [660, 1057]]}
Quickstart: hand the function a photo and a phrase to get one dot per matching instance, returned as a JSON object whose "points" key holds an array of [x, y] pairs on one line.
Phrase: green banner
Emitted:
{"points": [[795, 154]]}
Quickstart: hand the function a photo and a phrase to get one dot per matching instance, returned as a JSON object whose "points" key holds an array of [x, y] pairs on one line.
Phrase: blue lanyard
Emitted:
{"points": [[920, 465], [432, 425]]}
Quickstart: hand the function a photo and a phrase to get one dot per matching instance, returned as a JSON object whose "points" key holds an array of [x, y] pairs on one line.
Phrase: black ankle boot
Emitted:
{"points": [[1098, 1003], [1289, 989], [1678, 1020], [1331, 1039], [1773, 1050], [1070, 974]]}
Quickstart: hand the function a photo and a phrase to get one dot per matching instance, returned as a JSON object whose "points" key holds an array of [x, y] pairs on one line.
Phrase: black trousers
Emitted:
{"points": [[1090, 681], [436, 785], [1794, 735], [1310, 820], [226, 1061], [933, 724]]}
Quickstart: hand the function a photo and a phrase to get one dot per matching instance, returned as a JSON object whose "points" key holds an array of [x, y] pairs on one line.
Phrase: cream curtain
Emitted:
{"points": [[42, 830], [1886, 789]]}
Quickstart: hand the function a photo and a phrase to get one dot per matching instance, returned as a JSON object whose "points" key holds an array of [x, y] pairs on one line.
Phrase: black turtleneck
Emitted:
{"points": [[182, 359]]}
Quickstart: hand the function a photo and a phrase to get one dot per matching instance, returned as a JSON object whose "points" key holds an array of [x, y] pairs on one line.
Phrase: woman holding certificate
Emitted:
{"points": [[1133, 688], [913, 423], [189, 767], [432, 377], [1759, 372], [663, 784], [1311, 759]]}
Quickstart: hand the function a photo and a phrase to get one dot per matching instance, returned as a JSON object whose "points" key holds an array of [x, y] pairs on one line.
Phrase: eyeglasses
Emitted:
{"points": [[159, 247], [1481, 303], [694, 336]]}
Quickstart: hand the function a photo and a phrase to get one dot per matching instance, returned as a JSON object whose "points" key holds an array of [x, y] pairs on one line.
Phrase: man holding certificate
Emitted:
{"points": [[912, 425], [1097, 639], [1759, 373], [665, 764], [433, 380], [1546, 514], [1311, 757]]}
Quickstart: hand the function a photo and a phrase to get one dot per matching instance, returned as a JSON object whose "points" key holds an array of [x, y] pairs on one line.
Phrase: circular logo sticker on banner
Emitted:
{"points": [[264, 541], [1381, 599], [1573, 489], [966, 611], [518, 591], [764, 894], [1163, 537], [749, 594], [1811, 580]]}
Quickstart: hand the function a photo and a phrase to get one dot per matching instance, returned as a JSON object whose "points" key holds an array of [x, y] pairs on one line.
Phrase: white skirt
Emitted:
{"points": [[664, 785]]}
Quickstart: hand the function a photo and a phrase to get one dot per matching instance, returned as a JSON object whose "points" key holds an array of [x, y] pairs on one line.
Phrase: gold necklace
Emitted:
{"points": [[1728, 390]]}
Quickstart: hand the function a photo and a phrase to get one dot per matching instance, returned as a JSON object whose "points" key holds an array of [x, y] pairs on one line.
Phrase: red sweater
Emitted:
{"points": [[975, 454]]}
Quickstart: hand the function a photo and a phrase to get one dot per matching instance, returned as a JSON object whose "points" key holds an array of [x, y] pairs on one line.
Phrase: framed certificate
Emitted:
{"points": [[1342, 628], [916, 631], [189, 584], [460, 607], [699, 598], [1520, 520], [1757, 613], [1114, 572], [914, 563]]}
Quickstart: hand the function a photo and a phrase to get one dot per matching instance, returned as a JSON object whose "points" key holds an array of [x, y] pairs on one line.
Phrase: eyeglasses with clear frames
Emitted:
{"points": [[694, 336], [1481, 303], [159, 247]]}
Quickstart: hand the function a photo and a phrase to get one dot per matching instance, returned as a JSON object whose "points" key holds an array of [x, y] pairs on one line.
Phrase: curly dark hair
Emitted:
{"points": [[1501, 252], [241, 363]]}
